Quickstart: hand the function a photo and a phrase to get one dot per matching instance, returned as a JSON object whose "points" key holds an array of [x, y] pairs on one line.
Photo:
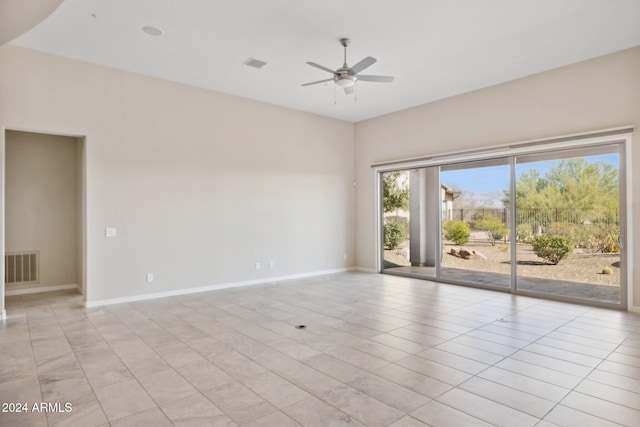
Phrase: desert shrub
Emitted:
{"points": [[503, 248], [607, 239], [400, 220], [523, 233], [581, 235], [607, 270], [595, 237], [456, 231], [474, 218], [494, 228], [394, 234], [552, 248], [478, 215]]}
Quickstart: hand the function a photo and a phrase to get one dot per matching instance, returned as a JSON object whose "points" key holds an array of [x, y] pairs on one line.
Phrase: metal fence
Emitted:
{"points": [[537, 217]]}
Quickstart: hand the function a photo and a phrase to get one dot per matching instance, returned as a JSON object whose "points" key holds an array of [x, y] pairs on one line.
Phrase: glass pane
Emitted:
{"points": [[396, 219], [568, 223], [475, 223], [410, 218]]}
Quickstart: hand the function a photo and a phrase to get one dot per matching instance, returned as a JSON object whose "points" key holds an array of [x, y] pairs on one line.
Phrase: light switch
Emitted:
{"points": [[110, 232]]}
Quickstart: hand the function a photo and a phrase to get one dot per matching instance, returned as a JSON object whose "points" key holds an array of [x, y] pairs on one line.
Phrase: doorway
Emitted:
{"points": [[43, 213]]}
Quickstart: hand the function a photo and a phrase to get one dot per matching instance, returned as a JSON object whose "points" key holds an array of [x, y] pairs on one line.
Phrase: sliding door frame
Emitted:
{"points": [[621, 136]]}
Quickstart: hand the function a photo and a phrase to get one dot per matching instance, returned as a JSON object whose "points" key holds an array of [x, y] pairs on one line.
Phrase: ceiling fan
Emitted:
{"points": [[346, 76]]}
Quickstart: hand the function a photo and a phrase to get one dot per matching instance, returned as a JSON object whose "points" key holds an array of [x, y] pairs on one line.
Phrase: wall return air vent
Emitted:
{"points": [[21, 267]]}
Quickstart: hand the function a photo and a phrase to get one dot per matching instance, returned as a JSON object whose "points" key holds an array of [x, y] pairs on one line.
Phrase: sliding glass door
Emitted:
{"points": [[546, 222], [475, 223], [568, 223], [410, 222]]}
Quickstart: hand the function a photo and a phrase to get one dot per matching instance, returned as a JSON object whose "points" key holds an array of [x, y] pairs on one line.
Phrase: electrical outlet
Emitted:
{"points": [[258, 266], [110, 232], [345, 256], [149, 277], [272, 265]]}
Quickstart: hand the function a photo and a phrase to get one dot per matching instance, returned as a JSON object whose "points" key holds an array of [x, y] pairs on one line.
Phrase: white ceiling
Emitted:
{"points": [[434, 48]]}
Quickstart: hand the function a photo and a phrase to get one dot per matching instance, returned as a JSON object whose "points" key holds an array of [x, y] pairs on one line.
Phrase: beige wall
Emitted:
{"points": [[42, 204], [199, 185], [597, 94]]}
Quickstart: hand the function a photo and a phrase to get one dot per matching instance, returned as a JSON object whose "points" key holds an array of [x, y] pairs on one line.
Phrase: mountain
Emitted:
{"points": [[469, 199]]}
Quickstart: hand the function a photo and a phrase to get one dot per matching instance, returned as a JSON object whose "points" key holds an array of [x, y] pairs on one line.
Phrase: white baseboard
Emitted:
{"points": [[3, 315], [98, 303], [40, 289], [634, 308]]}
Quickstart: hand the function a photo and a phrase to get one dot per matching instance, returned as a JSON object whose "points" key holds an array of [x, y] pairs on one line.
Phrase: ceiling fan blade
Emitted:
{"points": [[365, 63], [348, 90], [319, 81], [378, 79], [313, 64]]}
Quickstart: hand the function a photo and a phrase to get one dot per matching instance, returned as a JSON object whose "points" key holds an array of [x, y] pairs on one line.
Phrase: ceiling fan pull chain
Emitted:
{"points": [[335, 100], [355, 91]]}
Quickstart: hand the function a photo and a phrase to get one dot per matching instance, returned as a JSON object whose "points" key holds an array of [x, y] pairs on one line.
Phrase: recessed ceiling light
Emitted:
{"points": [[152, 31]]}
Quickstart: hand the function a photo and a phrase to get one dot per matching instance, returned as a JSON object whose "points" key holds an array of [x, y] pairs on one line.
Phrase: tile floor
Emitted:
{"points": [[576, 290], [377, 350]]}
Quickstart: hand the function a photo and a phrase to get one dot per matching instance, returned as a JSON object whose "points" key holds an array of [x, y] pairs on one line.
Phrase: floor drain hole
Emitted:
{"points": [[301, 327]]}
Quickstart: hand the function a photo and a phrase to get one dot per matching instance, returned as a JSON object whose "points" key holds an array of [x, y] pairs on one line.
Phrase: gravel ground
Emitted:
{"points": [[581, 266]]}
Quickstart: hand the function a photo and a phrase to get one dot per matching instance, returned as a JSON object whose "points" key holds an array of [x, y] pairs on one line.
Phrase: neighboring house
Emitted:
{"points": [[448, 196]]}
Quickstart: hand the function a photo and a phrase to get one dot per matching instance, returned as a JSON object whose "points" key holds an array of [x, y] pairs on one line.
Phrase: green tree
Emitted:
{"points": [[494, 228], [572, 184], [532, 191], [584, 185], [395, 191], [589, 190]]}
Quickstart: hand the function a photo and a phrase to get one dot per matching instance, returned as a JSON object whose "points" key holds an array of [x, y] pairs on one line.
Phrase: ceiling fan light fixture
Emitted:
{"points": [[346, 81]]}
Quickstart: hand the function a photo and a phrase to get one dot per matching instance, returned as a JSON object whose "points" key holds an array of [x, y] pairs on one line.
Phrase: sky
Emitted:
{"points": [[487, 179]]}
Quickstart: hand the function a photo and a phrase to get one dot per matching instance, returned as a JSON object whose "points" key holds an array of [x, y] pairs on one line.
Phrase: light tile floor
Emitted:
{"points": [[562, 288], [377, 350]]}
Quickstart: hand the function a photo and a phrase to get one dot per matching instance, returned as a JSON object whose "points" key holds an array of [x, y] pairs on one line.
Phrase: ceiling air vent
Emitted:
{"points": [[255, 63]]}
